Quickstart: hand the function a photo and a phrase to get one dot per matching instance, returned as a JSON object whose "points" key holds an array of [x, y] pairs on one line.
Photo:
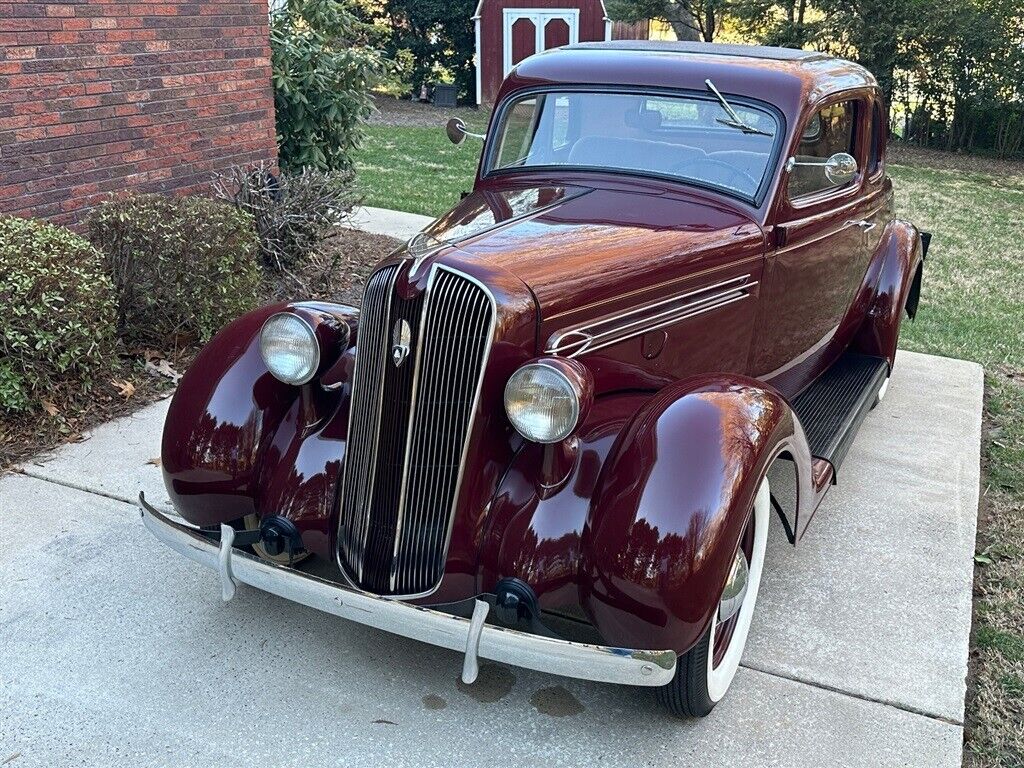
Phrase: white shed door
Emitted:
{"points": [[530, 30]]}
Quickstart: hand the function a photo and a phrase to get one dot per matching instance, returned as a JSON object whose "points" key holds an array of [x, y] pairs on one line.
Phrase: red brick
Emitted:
{"points": [[102, 95], [23, 52]]}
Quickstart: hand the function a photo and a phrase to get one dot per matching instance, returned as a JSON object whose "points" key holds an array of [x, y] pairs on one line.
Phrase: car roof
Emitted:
{"points": [[790, 78], [714, 49]]}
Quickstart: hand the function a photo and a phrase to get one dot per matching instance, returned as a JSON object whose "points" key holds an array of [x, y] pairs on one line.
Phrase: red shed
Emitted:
{"points": [[507, 31]]}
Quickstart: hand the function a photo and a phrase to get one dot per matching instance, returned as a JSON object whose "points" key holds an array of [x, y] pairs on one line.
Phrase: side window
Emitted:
{"points": [[829, 130], [878, 130], [520, 124]]}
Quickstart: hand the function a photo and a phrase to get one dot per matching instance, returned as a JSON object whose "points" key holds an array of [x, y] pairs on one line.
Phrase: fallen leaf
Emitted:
{"points": [[162, 368], [382, 721], [125, 388], [50, 408], [155, 462]]}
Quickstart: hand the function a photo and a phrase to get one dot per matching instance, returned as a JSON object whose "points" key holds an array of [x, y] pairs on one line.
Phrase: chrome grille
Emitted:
{"points": [[408, 430]]}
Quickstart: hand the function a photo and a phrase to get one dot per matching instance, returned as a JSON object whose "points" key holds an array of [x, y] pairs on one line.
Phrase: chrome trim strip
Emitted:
{"points": [[689, 278], [831, 233], [590, 339], [624, 666]]}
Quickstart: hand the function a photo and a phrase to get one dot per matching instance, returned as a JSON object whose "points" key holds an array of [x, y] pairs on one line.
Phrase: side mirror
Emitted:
{"points": [[457, 131], [839, 169]]}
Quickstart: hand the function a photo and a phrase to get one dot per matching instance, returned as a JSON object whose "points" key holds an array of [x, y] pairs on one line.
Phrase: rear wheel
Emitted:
{"points": [[705, 672]]}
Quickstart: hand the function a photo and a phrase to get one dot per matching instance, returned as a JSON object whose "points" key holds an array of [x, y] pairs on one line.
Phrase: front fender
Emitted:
{"points": [[232, 425], [672, 501]]}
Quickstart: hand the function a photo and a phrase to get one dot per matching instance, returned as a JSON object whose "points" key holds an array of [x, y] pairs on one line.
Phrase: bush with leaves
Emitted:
{"points": [[322, 77], [59, 312], [293, 212], [181, 267]]}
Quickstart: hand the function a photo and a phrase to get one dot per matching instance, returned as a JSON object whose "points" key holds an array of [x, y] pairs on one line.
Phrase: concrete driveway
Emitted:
{"points": [[115, 651]]}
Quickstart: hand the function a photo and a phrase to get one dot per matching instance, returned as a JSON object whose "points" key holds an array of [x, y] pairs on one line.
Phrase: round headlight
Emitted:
{"points": [[542, 403], [289, 348]]}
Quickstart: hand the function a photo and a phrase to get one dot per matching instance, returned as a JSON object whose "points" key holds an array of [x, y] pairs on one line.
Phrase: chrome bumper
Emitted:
{"points": [[473, 636]]}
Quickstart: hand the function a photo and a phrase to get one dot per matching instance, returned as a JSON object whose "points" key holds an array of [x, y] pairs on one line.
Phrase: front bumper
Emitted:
{"points": [[473, 636]]}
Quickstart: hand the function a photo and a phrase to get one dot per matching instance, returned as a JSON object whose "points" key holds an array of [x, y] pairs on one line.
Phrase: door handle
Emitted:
{"points": [[864, 224]]}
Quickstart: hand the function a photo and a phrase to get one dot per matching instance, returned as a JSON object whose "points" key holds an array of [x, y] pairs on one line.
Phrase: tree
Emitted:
{"points": [[689, 19], [438, 33], [322, 75], [782, 23]]}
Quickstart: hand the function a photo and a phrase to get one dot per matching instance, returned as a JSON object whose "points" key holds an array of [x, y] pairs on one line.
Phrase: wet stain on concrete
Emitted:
{"points": [[492, 684], [433, 701], [557, 702]]}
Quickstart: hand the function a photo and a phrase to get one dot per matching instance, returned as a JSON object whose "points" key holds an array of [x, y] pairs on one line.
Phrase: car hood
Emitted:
{"points": [[586, 252]]}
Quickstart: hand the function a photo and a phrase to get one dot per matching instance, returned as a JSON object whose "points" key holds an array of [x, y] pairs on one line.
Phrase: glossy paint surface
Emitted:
{"points": [[668, 512], [696, 317]]}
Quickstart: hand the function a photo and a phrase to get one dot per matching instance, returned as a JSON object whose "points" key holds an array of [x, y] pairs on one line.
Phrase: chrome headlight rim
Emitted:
{"points": [[571, 387], [310, 333]]}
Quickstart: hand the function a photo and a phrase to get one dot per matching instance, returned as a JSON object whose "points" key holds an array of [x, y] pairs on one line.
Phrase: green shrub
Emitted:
{"points": [[182, 267], [322, 77], [58, 312], [293, 213]]}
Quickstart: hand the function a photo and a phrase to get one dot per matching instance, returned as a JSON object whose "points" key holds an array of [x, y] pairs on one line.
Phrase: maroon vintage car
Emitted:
{"points": [[544, 438]]}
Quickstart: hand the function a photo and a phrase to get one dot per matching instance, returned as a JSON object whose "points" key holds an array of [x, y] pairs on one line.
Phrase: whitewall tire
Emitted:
{"points": [[705, 672]]}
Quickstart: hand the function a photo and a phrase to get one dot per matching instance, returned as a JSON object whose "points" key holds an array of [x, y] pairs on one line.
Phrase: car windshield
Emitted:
{"points": [[682, 136]]}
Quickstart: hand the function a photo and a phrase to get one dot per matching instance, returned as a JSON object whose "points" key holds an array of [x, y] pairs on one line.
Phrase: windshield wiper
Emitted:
{"points": [[735, 120]]}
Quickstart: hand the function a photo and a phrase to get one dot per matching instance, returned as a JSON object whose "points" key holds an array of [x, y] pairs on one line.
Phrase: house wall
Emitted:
{"points": [[99, 96], [492, 32]]}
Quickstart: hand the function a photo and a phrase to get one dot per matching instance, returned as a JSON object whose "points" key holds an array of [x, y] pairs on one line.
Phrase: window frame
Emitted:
{"points": [[811, 199], [875, 164], [757, 199]]}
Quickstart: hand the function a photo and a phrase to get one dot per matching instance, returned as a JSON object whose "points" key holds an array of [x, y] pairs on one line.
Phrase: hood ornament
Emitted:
{"points": [[419, 247], [401, 338]]}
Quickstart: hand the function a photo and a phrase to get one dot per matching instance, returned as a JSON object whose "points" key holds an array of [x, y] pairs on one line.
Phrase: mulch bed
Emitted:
{"points": [[392, 111], [138, 377]]}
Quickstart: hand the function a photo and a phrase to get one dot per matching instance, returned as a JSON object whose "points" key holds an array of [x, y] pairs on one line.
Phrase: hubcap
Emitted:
{"points": [[735, 588]]}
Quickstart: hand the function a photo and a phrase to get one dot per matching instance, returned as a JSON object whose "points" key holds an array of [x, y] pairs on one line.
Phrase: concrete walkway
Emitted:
{"points": [[115, 651]]}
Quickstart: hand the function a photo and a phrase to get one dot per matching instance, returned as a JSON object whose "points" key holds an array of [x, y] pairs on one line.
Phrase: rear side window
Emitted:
{"points": [[878, 130], [829, 130]]}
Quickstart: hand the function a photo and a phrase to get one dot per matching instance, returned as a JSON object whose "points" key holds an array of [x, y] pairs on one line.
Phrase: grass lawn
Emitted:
{"points": [[415, 168], [972, 307]]}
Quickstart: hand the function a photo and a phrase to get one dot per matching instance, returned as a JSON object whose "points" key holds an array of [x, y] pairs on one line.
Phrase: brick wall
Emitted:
{"points": [[98, 96]]}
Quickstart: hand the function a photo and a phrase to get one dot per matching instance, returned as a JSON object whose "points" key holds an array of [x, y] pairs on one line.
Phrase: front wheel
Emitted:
{"points": [[705, 672]]}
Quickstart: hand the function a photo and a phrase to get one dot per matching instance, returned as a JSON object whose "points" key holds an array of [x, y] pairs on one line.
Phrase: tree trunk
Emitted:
{"points": [[680, 18], [709, 25]]}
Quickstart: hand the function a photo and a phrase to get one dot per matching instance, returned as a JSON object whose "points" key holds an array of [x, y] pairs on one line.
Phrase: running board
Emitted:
{"points": [[832, 409]]}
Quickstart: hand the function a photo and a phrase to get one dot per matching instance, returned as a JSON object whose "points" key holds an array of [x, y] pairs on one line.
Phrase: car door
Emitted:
{"points": [[823, 235]]}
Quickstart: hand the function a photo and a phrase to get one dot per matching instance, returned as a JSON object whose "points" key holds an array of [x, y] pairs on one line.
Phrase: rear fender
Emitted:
{"points": [[232, 426], [672, 501], [900, 258]]}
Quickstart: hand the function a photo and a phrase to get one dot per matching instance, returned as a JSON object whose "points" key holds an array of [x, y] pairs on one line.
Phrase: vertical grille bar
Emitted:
{"points": [[403, 504], [364, 419]]}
